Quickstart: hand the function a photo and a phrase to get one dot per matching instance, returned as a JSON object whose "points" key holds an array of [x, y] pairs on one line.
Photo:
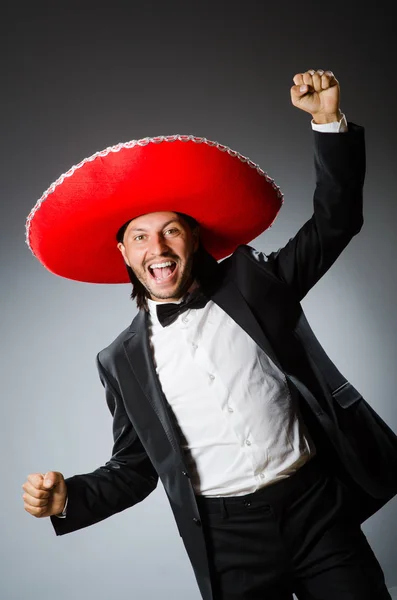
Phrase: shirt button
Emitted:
{"points": [[185, 319], [194, 346], [230, 409], [262, 476], [212, 377], [248, 442]]}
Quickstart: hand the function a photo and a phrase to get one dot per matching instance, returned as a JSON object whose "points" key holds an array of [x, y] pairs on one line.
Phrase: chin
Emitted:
{"points": [[164, 294]]}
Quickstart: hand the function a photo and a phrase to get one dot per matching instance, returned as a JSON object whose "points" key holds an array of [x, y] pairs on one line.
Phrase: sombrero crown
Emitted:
{"points": [[72, 228]]}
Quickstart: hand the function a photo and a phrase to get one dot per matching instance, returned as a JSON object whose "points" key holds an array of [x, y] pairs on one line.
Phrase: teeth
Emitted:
{"points": [[160, 265]]}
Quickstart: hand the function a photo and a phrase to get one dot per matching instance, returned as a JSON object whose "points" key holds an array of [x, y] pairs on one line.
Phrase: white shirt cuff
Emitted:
{"points": [[335, 127]]}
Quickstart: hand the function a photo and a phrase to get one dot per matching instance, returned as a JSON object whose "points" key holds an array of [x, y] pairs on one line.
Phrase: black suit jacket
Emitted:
{"points": [[262, 293]]}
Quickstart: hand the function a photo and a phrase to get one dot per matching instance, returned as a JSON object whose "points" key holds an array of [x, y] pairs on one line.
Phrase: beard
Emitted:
{"points": [[185, 279]]}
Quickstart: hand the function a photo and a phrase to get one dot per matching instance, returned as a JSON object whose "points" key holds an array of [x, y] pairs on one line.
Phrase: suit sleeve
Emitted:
{"points": [[126, 479], [339, 160]]}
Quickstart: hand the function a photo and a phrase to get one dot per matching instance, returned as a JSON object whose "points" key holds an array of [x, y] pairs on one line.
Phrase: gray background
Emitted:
{"points": [[76, 79]]}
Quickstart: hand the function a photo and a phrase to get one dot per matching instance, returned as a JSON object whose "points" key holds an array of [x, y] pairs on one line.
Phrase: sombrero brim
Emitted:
{"points": [[72, 228]]}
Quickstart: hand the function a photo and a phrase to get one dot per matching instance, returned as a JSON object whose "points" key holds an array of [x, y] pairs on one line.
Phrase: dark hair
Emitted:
{"points": [[201, 257]]}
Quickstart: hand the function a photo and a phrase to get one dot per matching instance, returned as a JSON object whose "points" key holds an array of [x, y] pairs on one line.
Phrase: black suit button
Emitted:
{"points": [[185, 473], [197, 521]]}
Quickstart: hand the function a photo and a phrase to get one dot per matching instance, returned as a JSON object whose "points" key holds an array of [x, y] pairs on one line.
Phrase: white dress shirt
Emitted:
{"points": [[239, 424]]}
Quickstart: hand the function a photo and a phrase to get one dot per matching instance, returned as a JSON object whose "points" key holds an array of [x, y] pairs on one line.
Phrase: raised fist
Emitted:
{"points": [[45, 495], [317, 92]]}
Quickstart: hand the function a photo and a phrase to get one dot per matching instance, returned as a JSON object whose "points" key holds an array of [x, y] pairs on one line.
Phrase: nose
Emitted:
{"points": [[158, 245]]}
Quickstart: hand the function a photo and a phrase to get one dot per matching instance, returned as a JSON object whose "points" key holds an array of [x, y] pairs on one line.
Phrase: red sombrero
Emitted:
{"points": [[72, 228]]}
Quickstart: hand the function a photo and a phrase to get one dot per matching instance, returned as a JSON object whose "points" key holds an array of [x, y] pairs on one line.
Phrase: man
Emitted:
{"points": [[271, 460]]}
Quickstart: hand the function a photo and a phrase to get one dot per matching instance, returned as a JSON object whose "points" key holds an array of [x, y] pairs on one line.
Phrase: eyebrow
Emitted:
{"points": [[165, 225]]}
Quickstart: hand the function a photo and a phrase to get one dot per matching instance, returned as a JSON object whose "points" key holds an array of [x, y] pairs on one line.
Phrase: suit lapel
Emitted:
{"points": [[139, 356]]}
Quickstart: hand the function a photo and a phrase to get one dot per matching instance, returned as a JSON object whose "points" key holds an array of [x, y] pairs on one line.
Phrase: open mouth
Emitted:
{"points": [[163, 271]]}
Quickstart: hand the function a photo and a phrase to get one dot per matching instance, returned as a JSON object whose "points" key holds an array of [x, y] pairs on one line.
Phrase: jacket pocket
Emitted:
{"points": [[346, 395]]}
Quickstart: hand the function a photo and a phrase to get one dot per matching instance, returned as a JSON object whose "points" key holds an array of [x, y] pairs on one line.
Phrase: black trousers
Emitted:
{"points": [[299, 535]]}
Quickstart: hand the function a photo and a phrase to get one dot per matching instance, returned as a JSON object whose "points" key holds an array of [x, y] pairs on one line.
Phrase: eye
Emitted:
{"points": [[138, 238], [172, 230]]}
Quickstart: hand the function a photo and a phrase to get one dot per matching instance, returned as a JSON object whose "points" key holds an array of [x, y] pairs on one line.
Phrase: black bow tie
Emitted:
{"points": [[168, 313]]}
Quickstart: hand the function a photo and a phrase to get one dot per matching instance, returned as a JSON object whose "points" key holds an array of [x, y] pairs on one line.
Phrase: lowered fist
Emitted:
{"points": [[317, 92], [45, 495]]}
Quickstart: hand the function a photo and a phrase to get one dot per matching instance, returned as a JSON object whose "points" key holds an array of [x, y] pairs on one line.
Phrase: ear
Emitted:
{"points": [[121, 247]]}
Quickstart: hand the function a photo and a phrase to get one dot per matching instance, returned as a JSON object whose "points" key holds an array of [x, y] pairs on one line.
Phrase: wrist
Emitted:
{"points": [[323, 118]]}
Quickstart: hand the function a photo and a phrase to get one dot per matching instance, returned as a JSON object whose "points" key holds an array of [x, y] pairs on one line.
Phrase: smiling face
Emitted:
{"points": [[159, 248]]}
